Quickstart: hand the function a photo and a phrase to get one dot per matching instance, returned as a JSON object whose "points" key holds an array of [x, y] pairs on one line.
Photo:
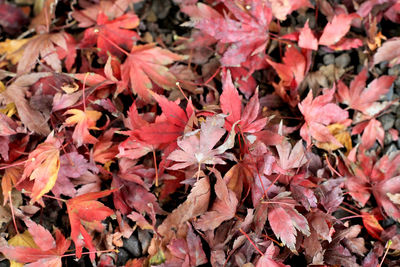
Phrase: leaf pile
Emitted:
{"points": [[223, 133]]}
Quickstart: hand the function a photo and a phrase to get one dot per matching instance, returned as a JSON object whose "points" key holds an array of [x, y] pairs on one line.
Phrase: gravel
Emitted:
{"points": [[387, 121], [342, 61]]}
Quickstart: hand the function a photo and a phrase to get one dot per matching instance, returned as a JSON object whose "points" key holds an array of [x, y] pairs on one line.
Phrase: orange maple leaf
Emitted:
{"points": [[42, 166], [84, 209], [84, 120]]}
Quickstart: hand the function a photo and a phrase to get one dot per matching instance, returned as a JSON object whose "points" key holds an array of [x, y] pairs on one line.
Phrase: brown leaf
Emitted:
{"points": [[196, 204], [15, 93]]}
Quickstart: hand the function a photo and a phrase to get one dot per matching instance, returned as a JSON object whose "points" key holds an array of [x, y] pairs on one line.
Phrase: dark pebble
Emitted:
{"points": [[390, 149], [122, 256], [133, 246], [145, 239]]}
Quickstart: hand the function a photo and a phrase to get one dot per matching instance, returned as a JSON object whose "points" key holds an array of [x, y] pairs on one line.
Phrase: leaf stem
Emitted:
{"points": [[388, 244], [90, 252], [13, 165], [251, 242], [12, 212], [155, 166], [83, 91], [113, 43]]}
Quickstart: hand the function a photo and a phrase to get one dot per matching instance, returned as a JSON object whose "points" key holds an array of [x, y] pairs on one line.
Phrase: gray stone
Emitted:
{"points": [[390, 149], [122, 257], [145, 239], [328, 59], [343, 60], [397, 85], [132, 245], [387, 140], [397, 124], [387, 121]]}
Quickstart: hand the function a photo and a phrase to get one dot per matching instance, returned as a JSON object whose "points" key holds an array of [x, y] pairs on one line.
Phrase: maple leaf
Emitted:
{"points": [[289, 157], [267, 258], [23, 248], [84, 120], [10, 178], [280, 9], [42, 166], [106, 34], [336, 29], [285, 219], [72, 165], [169, 125], [247, 34], [372, 225], [105, 150], [318, 113], [223, 209], [85, 210], [112, 9], [144, 65], [44, 45], [195, 205], [231, 104], [187, 251], [15, 93], [373, 130], [307, 39], [377, 177], [291, 72], [196, 147], [363, 99], [388, 52]]}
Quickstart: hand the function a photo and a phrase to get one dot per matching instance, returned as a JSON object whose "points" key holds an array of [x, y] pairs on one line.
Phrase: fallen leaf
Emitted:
{"points": [[84, 120], [42, 166]]}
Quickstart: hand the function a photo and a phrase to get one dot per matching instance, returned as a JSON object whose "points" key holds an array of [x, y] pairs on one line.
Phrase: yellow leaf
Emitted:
{"points": [[84, 121], [12, 49], [9, 110], [70, 88], [21, 240], [79, 116], [339, 131]]}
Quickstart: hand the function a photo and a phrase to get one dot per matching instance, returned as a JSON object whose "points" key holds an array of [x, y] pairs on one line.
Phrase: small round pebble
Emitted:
{"points": [[328, 59], [343, 60], [387, 121]]}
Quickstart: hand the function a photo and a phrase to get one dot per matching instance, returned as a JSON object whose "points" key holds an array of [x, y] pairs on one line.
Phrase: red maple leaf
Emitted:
{"points": [[318, 113], [231, 104], [144, 65], [247, 34], [285, 219], [291, 73], [362, 98], [46, 250], [370, 175], [336, 29], [85, 210], [107, 35]]}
